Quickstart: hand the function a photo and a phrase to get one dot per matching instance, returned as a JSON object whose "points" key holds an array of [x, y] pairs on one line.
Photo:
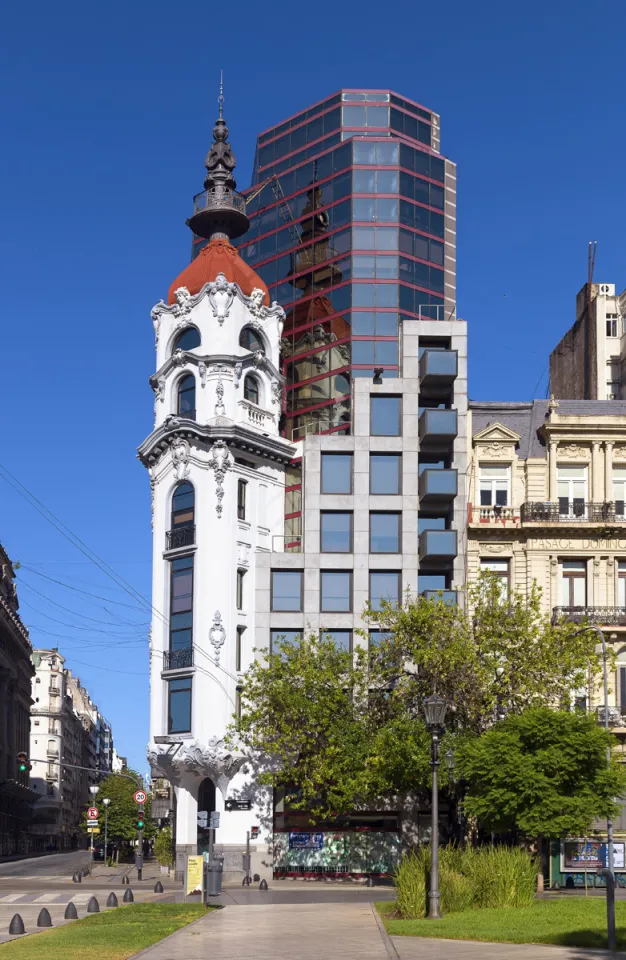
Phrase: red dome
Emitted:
{"points": [[219, 256]]}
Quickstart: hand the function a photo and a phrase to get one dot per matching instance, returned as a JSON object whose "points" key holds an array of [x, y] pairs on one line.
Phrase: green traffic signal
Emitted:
{"points": [[140, 824], [22, 763]]}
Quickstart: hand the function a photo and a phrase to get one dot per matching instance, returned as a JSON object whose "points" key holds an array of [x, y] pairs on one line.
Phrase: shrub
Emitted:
{"points": [[484, 877], [163, 848]]}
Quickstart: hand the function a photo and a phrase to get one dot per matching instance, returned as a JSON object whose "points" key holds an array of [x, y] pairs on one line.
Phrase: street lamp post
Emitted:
{"points": [[93, 791], [106, 803], [610, 880], [434, 711]]}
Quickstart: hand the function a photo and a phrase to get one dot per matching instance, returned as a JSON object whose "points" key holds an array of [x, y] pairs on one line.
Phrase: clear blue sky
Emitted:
{"points": [[106, 117]]}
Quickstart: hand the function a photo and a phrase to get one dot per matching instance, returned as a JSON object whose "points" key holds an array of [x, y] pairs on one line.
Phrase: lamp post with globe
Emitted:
{"points": [[434, 711]]}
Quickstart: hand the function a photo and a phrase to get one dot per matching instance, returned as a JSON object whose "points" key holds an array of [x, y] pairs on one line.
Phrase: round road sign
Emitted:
{"points": [[92, 813], [140, 796]]}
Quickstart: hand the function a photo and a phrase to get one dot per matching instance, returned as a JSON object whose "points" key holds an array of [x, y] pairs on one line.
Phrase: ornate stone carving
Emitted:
{"points": [[497, 450], [219, 462], [619, 453], [213, 759], [202, 373], [495, 547], [220, 409], [178, 357], [255, 305], [221, 296], [155, 315], [243, 554], [258, 358], [276, 392], [180, 458], [217, 635], [573, 451], [238, 372], [182, 308]]}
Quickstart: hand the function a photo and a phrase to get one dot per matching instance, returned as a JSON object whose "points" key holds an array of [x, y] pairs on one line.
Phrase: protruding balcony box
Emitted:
{"points": [[437, 546], [438, 368], [446, 596], [438, 486], [437, 429]]}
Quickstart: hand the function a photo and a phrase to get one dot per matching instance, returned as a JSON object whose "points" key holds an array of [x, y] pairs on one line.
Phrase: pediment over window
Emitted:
{"points": [[496, 432]]}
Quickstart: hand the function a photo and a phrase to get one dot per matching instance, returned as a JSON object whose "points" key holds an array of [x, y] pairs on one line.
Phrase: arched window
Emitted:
{"points": [[182, 521], [250, 340], [251, 389], [187, 397], [187, 339]]}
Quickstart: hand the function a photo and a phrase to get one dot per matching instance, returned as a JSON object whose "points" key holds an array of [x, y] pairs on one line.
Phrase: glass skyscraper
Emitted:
{"points": [[352, 227]]}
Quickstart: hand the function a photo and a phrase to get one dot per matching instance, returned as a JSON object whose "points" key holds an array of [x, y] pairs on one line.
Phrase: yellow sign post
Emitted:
{"points": [[194, 875], [93, 830]]}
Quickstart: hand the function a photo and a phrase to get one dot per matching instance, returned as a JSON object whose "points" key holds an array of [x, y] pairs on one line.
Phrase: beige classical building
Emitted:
{"points": [[546, 502]]}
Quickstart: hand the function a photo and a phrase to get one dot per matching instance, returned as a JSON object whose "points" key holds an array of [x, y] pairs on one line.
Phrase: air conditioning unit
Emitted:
{"points": [[606, 289]]}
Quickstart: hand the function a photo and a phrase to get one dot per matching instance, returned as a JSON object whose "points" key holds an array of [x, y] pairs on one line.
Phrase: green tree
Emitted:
{"points": [[163, 847], [542, 773], [122, 815]]}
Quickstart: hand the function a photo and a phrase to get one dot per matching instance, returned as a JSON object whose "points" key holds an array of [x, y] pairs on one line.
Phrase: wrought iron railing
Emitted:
{"points": [[615, 716], [181, 536], [178, 659], [599, 616], [573, 511]]}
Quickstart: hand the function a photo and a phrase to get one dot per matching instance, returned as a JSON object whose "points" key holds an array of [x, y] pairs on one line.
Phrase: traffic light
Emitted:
{"points": [[140, 819], [23, 766]]}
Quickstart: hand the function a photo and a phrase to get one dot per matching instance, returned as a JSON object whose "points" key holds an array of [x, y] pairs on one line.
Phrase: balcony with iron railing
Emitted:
{"points": [[183, 536], [616, 715], [573, 511], [598, 616], [178, 659]]}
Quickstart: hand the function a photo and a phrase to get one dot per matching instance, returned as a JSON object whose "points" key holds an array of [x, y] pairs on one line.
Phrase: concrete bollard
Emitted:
{"points": [[158, 887], [370, 882], [112, 900], [128, 896], [263, 885], [125, 879], [93, 906], [17, 925], [44, 919], [70, 911]]}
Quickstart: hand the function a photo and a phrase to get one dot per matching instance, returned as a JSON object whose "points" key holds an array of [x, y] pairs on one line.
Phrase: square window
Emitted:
{"points": [[283, 636], [377, 116], [363, 238], [341, 638], [363, 208], [385, 532], [336, 473], [363, 323], [384, 586], [363, 294], [287, 590], [386, 209], [387, 268], [386, 324], [387, 352], [353, 116], [386, 238], [364, 266], [385, 416], [387, 295], [362, 351], [376, 637], [387, 181], [336, 591], [335, 532], [385, 473], [364, 181]]}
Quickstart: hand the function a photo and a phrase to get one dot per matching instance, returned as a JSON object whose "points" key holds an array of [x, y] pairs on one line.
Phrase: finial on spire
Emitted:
{"points": [[220, 99]]}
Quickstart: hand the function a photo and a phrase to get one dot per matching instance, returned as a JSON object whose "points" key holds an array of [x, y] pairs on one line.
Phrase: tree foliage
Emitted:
{"points": [[163, 847], [342, 730], [542, 773], [122, 815]]}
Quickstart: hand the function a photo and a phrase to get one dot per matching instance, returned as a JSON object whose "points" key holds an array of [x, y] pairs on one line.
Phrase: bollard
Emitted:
{"points": [[370, 882], [93, 906], [17, 925], [79, 877], [44, 919], [128, 896], [112, 900], [263, 885], [125, 879], [158, 887], [70, 911]]}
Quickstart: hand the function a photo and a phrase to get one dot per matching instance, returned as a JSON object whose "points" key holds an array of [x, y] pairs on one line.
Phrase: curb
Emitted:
{"points": [[146, 951], [392, 953]]}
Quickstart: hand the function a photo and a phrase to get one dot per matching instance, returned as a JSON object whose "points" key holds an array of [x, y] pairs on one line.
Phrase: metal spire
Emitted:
{"points": [[220, 99]]}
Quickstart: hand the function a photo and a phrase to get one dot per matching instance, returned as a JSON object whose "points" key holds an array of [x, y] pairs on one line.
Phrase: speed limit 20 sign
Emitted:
{"points": [[140, 796]]}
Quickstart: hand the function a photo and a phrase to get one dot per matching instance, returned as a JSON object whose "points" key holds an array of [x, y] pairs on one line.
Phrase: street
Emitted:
{"points": [[48, 865]]}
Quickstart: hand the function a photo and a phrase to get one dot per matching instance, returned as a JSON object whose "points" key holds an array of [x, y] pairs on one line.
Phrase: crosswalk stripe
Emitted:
{"points": [[11, 897]]}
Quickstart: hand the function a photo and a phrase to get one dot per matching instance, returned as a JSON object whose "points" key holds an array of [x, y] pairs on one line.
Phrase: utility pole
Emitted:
{"points": [[106, 803]]}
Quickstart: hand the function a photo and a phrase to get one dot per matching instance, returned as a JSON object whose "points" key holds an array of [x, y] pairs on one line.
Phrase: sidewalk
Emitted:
{"points": [[347, 931]]}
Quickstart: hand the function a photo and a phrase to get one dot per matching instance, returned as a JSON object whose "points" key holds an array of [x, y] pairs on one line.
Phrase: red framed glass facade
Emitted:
{"points": [[347, 228]]}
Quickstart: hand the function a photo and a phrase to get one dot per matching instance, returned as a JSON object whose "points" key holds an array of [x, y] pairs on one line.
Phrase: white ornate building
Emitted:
{"points": [[216, 464]]}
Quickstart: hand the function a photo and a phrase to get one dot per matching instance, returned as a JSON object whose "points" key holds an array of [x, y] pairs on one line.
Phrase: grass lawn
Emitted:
{"points": [[571, 921], [114, 935]]}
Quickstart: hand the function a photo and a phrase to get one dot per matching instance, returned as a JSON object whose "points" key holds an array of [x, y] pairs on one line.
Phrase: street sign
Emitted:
{"points": [[140, 796], [92, 823], [203, 818], [254, 832], [214, 820], [233, 804], [93, 830], [92, 813]]}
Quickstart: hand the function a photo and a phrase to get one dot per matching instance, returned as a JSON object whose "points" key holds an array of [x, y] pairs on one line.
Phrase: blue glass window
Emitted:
{"points": [[181, 603], [385, 532], [188, 339], [341, 638], [283, 636], [179, 705], [335, 532], [385, 473], [384, 586], [336, 591], [187, 397], [385, 416], [287, 590], [336, 473]]}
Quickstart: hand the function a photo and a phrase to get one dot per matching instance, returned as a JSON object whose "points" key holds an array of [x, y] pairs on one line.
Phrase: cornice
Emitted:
{"points": [[254, 306], [182, 357], [235, 435]]}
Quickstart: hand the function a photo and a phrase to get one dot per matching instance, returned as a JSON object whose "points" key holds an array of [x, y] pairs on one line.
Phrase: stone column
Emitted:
{"points": [[186, 825], [608, 470], [597, 478], [552, 494]]}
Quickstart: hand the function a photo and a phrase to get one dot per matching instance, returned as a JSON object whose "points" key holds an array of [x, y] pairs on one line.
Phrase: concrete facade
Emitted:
{"points": [[588, 362]]}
